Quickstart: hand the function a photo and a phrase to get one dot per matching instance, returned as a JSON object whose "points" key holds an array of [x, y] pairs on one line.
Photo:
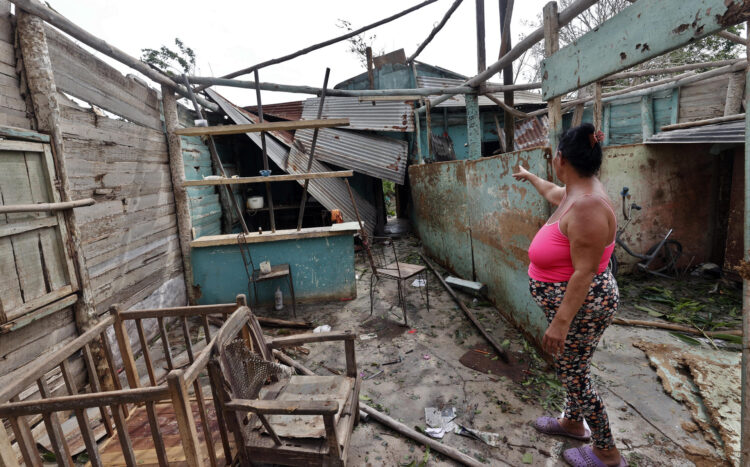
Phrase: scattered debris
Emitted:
{"points": [[419, 283], [708, 382], [323, 328], [467, 286], [368, 336], [491, 439], [439, 422]]}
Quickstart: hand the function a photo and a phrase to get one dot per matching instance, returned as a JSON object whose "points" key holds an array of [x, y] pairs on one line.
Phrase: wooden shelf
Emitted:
{"points": [[270, 178], [347, 228], [258, 127]]}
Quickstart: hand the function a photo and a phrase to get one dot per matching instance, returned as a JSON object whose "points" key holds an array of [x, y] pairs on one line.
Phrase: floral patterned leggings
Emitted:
{"points": [[574, 364]]}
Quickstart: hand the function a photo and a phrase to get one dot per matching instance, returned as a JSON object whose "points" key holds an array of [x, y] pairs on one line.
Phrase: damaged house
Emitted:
{"points": [[187, 281]]}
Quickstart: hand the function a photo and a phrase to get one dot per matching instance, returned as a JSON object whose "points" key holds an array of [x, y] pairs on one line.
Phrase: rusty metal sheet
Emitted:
{"points": [[441, 213], [519, 97], [531, 133], [285, 110], [731, 132], [376, 156], [330, 192], [365, 115], [309, 388], [505, 215], [474, 218]]}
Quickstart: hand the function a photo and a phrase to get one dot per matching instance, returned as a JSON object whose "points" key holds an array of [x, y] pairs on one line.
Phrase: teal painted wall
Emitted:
{"points": [[205, 210], [322, 268], [473, 218]]}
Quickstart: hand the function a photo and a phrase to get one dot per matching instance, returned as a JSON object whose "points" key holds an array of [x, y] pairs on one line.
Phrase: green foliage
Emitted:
{"points": [[171, 62], [389, 190]]}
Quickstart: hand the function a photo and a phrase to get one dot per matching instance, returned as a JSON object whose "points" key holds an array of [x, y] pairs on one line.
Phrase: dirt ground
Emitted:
{"points": [[646, 422]]}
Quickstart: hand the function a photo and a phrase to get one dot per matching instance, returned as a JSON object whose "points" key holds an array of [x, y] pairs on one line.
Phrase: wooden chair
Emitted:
{"points": [[387, 266], [297, 420]]}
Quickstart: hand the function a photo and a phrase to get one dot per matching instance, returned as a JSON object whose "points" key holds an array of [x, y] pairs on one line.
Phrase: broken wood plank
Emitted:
{"points": [[675, 327], [270, 178], [47, 207], [43, 312], [498, 348], [260, 127], [290, 234], [27, 226], [22, 133]]}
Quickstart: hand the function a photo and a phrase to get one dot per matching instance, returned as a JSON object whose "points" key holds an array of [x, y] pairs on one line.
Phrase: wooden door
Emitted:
{"points": [[36, 268]]}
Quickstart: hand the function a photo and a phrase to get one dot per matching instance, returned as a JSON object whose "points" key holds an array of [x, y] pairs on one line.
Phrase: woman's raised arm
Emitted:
{"points": [[551, 192]]}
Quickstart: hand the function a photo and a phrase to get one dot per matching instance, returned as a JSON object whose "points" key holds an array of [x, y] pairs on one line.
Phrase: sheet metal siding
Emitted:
{"points": [[365, 115], [205, 209], [330, 192], [473, 211], [286, 110], [730, 132], [322, 268], [376, 156]]}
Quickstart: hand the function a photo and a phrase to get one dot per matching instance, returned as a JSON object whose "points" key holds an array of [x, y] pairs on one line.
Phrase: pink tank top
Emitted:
{"points": [[549, 253]]}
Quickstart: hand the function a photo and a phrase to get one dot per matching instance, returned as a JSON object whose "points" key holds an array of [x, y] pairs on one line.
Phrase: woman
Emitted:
{"points": [[569, 279]]}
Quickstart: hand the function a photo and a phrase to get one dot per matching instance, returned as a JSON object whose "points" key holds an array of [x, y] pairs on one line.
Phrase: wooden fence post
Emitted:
{"points": [[551, 45], [181, 201], [647, 117], [41, 83], [185, 422]]}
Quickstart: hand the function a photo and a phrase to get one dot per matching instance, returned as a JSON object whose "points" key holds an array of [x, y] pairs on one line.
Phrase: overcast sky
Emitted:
{"points": [[230, 35]]}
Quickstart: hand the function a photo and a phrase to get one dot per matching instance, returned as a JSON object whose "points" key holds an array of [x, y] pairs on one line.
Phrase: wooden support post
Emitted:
{"points": [[428, 120], [735, 93], [54, 429], [370, 70], [509, 124], [181, 201], [481, 53], [745, 368], [551, 45], [184, 414], [417, 119], [674, 117], [25, 439], [269, 194], [41, 83], [598, 105], [605, 124], [473, 126], [82, 418], [647, 117], [313, 144]]}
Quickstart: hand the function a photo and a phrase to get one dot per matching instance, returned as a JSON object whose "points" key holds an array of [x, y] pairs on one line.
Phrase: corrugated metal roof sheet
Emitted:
{"points": [[330, 192], [376, 116], [531, 133], [376, 156], [519, 97], [285, 110], [730, 132]]}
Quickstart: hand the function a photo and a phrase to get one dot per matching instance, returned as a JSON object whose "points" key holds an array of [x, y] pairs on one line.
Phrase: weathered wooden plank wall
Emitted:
{"points": [[130, 236], [205, 208], [13, 111]]}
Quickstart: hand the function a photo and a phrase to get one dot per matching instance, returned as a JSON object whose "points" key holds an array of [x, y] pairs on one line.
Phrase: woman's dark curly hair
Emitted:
{"points": [[579, 146]]}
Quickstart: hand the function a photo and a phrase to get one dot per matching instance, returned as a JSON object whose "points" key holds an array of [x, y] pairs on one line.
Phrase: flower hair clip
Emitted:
{"points": [[596, 137]]}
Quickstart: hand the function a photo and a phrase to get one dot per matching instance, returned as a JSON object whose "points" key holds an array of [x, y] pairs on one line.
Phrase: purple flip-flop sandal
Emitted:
{"points": [[550, 426], [585, 457]]}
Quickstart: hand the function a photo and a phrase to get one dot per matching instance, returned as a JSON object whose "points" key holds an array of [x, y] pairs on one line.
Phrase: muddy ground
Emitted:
{"points": [[647, 423]]}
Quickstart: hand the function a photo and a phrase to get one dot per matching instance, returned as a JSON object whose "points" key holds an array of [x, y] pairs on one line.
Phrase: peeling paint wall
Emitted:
{"points": [[477, 221], [322, 268]]}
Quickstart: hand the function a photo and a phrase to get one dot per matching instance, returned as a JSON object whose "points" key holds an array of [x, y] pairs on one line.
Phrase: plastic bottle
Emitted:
{"points": [[279, 305]]}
